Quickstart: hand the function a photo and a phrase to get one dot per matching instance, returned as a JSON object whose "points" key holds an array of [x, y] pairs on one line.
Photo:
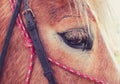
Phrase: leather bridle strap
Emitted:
{"points": [[32, 31], [9, 34]]}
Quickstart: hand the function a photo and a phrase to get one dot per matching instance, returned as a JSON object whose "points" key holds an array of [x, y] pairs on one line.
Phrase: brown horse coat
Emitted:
{"points": [[49, 16]]}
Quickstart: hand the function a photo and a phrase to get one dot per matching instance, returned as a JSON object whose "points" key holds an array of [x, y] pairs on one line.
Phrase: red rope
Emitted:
{"points": [[27, 41], [32, 53]]}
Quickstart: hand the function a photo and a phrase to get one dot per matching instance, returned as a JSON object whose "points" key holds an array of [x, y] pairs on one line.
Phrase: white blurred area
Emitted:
{"points": [[115, 10]]}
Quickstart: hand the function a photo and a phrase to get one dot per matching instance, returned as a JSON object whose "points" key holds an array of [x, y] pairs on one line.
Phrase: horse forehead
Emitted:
{"points": [[51, 5], [48, 3], [53, 10], [50, 9]]}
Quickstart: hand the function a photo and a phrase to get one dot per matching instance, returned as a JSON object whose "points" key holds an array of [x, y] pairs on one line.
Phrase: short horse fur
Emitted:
{"points": [[53, 17]]}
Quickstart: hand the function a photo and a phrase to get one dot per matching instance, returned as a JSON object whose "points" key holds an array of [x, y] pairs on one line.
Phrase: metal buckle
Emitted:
{"points": [[28, 10]]}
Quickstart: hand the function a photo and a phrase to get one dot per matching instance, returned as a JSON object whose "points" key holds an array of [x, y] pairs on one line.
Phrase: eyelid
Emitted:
{"points": [[67, 16]]}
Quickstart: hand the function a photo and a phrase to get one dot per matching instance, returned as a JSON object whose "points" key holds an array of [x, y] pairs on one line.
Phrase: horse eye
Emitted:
{"points": [[77, 38]]}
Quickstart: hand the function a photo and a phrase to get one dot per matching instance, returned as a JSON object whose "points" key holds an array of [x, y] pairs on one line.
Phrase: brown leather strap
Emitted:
{"points": [[9, 33], [32, 30]]}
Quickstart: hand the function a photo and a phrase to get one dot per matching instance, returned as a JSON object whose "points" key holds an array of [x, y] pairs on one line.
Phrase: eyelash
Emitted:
{"points": [[77, 38]]}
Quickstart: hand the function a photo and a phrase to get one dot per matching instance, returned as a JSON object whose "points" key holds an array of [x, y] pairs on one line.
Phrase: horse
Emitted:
{"points": [[72, 33]]}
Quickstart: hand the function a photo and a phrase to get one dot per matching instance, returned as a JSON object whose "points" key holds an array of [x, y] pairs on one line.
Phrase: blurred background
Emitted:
{"points": [[115, 10]]}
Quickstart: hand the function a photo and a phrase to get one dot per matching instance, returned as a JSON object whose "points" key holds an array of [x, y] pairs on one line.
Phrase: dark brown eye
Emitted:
{"points": [[78, 38]]}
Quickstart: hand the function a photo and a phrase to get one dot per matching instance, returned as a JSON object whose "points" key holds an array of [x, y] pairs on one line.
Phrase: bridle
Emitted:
{"points": [[36, 44]]}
